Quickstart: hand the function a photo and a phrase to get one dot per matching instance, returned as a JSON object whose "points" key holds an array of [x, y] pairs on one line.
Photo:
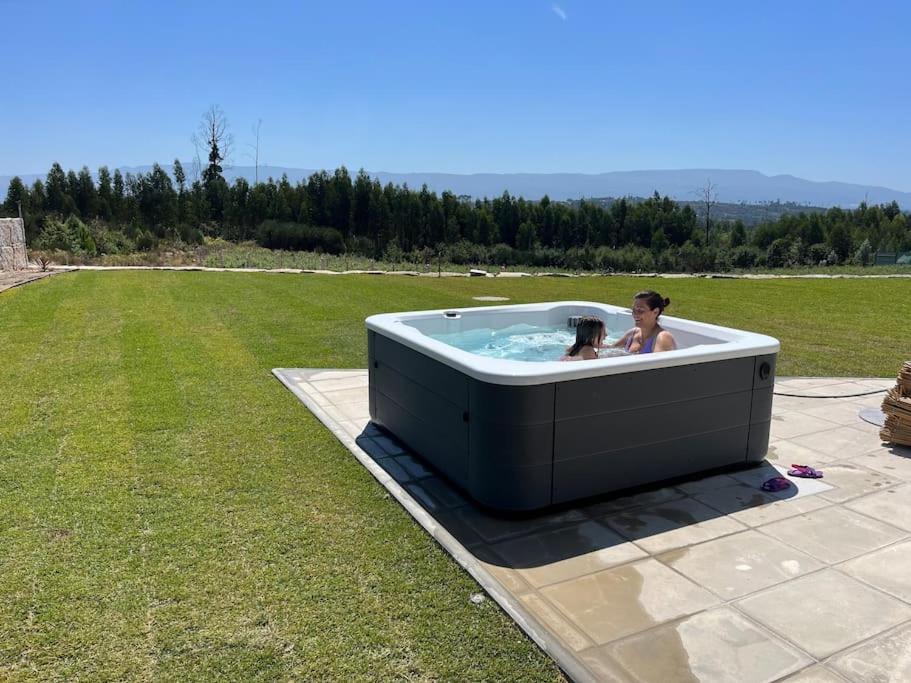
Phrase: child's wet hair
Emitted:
{"points": [[587, 332], [653, 300]]}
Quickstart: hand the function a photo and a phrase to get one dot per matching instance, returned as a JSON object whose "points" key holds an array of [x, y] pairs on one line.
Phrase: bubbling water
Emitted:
{"points": [[524, 342]]}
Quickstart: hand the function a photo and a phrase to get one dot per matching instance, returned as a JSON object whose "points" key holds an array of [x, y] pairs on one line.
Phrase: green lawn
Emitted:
{"points": [[169, 511]]}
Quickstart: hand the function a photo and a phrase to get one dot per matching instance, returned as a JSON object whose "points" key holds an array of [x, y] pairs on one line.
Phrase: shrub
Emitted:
{"points": [[864, 254], [628, 259], [464, 252], [797, 253], [695, 258], [817, 254], [503, 255], [723, 260], [300, 237], [56, 236], [667, 261], [778, 254], [744, 256], [146, 241], [360, 245], [580, 258], [393, 253]]}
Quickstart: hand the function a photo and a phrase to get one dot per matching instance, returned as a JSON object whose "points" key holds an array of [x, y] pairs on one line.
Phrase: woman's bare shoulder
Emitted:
{"points": [[665, 341]]}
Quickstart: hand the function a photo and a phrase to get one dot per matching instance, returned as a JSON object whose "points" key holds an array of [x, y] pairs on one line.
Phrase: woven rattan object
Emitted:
{"points": [[897, 409]]}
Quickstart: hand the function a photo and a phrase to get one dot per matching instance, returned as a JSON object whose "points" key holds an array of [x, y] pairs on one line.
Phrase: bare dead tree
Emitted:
{"points": [[708, 195], [254, 154], [213, 137]]}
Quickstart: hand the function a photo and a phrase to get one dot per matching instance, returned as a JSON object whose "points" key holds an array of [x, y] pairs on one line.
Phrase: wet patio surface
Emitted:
{"points": [[708, 579]]}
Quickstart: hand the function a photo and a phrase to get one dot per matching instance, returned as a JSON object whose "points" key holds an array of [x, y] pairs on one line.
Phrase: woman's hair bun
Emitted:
{"points": [[667, 301]]}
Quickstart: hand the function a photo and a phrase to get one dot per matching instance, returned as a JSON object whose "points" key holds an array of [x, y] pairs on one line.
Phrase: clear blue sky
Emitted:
{"points": [[821, 90]]}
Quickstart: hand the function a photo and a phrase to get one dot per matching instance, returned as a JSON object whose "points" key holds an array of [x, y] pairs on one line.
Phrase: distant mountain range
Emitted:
{"points": [[732, 186]]}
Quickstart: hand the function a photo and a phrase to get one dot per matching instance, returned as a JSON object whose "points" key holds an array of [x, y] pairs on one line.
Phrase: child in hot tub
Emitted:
{"points": [[589, 337]]}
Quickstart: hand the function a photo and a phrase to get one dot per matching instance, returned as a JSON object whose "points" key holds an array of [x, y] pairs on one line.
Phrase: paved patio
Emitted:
{"points": [[703, 580], [15, 278]]}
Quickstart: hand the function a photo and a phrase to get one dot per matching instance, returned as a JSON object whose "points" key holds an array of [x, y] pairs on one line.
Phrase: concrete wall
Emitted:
{"points": [[12, 245]]}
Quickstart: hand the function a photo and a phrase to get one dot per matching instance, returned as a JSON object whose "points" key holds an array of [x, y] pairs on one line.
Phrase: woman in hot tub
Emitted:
{"points": [[647, 336]]}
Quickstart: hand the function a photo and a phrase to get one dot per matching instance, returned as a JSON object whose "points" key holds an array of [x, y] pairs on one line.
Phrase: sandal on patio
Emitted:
{"points": [[775, 484], [805, 471]]}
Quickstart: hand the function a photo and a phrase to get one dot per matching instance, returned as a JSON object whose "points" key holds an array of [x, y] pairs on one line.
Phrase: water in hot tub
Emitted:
{"points": [[520, 342]]}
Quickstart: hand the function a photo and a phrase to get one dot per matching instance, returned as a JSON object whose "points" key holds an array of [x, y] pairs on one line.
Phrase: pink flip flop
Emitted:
{"points": [[805, 471], [775, 484]]}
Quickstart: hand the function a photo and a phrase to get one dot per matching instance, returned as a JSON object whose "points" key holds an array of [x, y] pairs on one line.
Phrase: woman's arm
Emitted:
{"points": [[622, 341]]}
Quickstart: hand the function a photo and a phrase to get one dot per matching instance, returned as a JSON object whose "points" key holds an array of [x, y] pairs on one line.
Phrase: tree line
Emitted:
{"points": [[335, 212]]}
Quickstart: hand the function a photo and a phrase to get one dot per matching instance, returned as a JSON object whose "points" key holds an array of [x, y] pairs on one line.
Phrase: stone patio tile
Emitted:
{"points": [[572, 637], [791, 424], [844, 389], [718, 481], [799, 385], [865, 426], [718, 645], [415, 467], [825, 612], [423, 496], [461, 531], [367, 444], [791, 404], [737, 498], [629, 502], [780, 509], [816, 674], [842, 412], [841, 442], [356, 412], [322, 375], [888, 460], [734, 566], [834, 534], [334, 413], [445, 495], [850, 481], [508, 577], [567, 553], [391, 446], [624, 600], [872, 401], [887, 569], [870, 383], [886, 659], [785, 452], [358, 381], [492, 528], [892, 505], [604, 667], [341, 397], [353, 429], [671, 525], [393, 469]]}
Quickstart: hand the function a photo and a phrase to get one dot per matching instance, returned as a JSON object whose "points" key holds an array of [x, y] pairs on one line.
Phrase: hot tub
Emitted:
{"points": [[526, 434]]}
